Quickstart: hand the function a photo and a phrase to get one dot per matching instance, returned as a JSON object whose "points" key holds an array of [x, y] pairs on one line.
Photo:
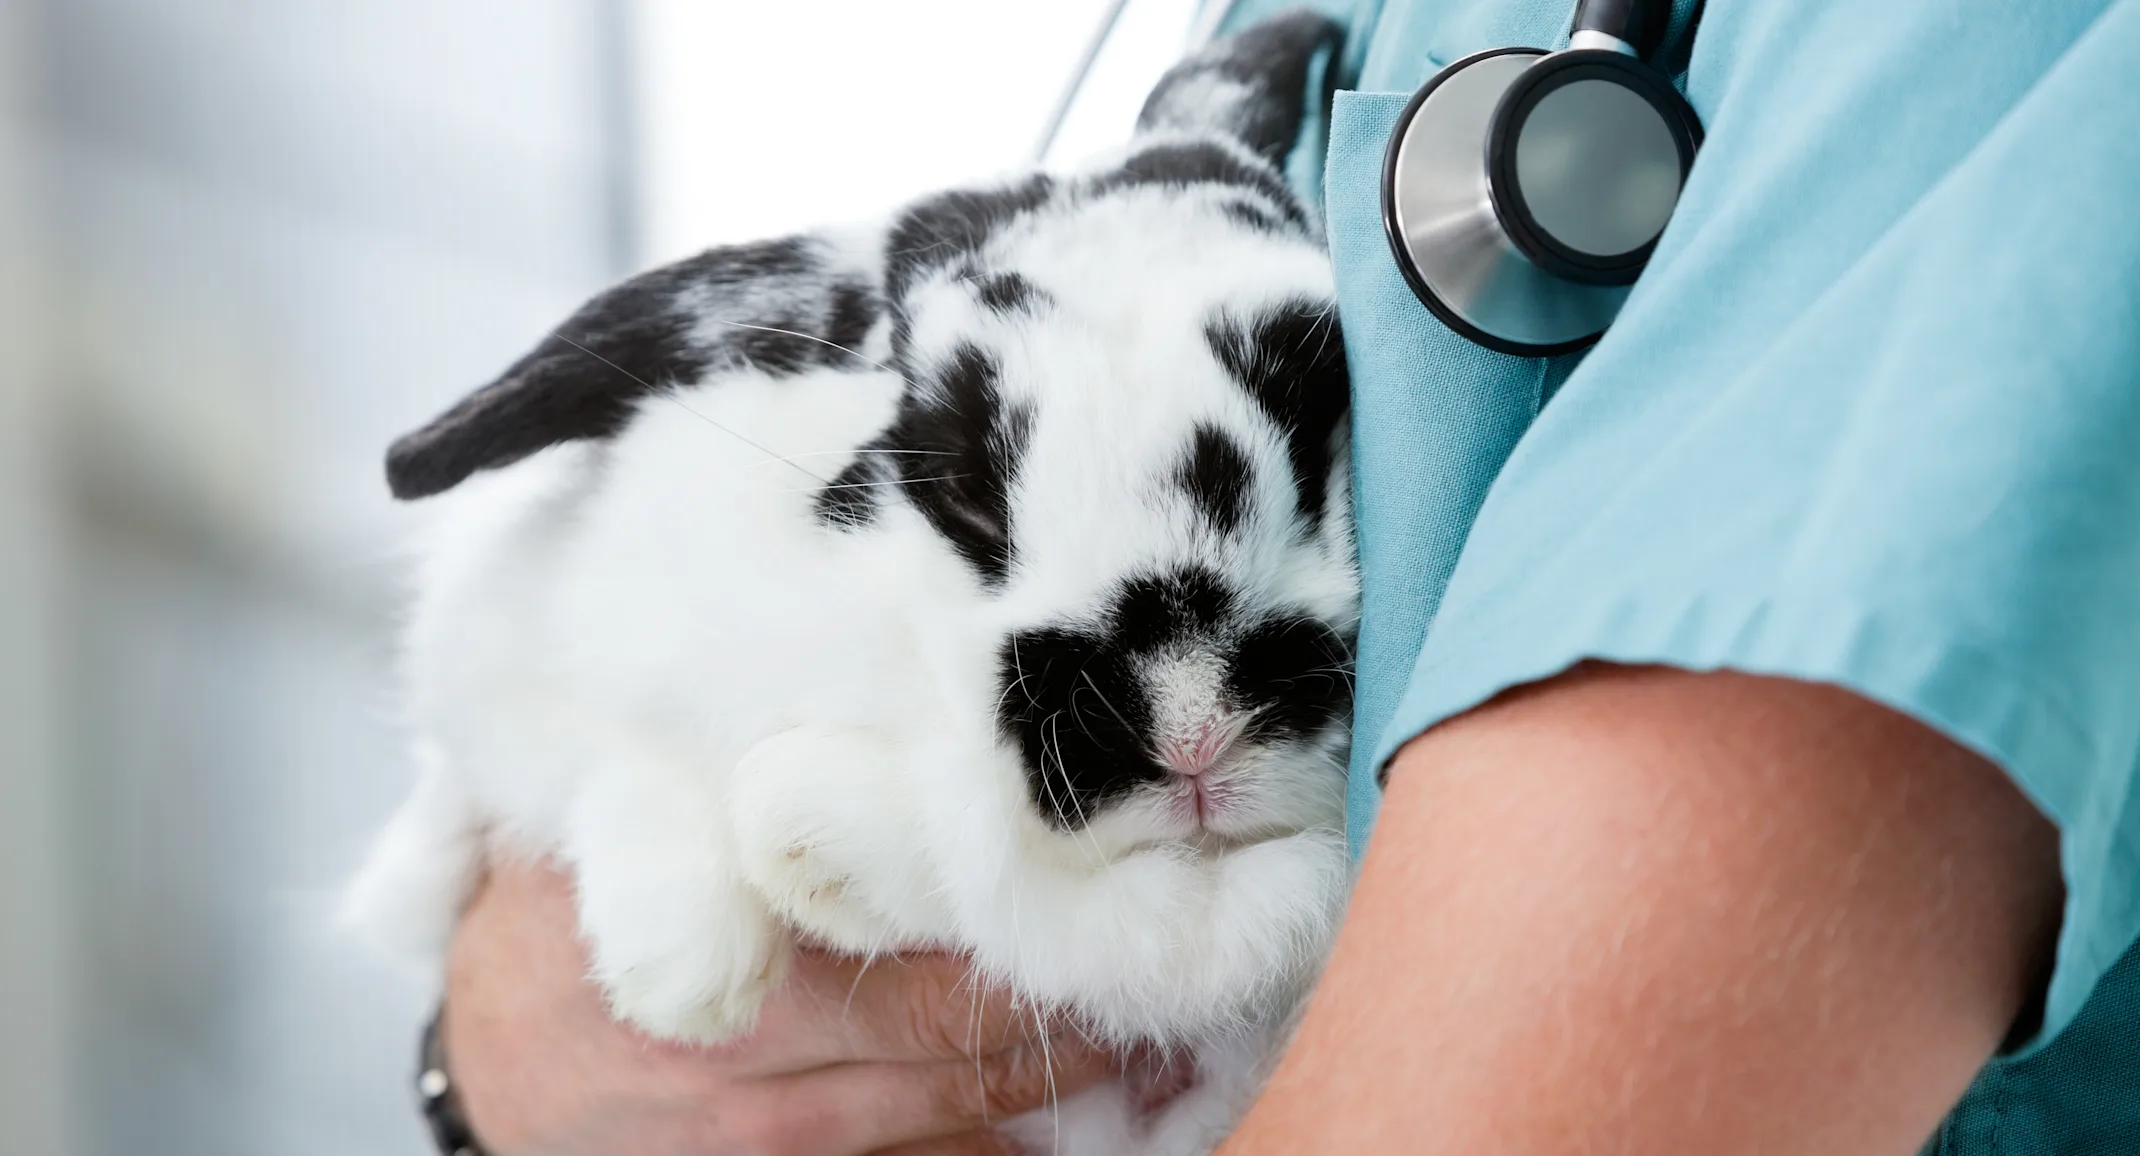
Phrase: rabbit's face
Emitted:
{"points": [[1182, 710], [1141, 457], [1180, 577]]}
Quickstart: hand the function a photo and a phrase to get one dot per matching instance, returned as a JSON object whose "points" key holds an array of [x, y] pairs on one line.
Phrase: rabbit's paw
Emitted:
{"points": [[679, 943], [818, 821], [693, 999], [695, 978]]}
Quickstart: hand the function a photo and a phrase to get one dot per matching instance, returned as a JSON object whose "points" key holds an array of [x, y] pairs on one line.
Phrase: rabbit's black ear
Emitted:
{"points": [[781, 306], [1252, 85]]}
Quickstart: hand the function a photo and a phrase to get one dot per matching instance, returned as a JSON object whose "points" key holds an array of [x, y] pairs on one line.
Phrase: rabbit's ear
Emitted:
{"points": [[1251, 86], [781, 306]]}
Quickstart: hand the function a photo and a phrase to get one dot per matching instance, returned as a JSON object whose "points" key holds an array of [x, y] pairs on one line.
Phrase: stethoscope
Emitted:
{"points": [[1523, 191]]}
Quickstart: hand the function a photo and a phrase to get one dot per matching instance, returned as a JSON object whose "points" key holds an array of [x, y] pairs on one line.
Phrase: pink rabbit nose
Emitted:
{"points": [[1199, 751]]}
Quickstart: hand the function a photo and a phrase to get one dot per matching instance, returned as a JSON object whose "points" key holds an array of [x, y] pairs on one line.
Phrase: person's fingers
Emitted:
{"points": [[1156, 1077], [1008, 1083], [834, 1010], [864, 1107], [849, 1056]]}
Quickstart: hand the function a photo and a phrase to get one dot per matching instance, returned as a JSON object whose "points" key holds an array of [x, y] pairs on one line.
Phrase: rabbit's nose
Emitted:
{"points": [[1201, 748]]}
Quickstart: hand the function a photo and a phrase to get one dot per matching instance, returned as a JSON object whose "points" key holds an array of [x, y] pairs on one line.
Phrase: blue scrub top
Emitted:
{"points": [[1871, 418]]}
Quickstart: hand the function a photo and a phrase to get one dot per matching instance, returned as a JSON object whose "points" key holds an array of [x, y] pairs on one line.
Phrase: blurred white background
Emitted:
{"points": [[242, 245], [765, 118]]}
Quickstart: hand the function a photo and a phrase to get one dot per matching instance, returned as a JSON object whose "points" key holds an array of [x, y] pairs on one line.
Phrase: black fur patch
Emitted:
{"points": [[1216, 475], [643, 336], [951, 226], [853, 313], [1291, 360], [1266, 67], [1296, 673], [1007, 293], [1074, 704], [1076, 710], [957, 449], [1196, 163], [849, 500], [780, 257], [1247, 214], [1155, 612]]}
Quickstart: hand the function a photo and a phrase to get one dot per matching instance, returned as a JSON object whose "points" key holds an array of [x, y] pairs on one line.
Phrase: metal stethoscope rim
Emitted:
{"points": [[1393, 228], [1455, 214]]}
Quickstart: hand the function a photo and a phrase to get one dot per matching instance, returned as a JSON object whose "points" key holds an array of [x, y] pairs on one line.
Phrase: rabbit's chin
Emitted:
{"points": [[1278, 792], [1176, 941], [1141, 926]]}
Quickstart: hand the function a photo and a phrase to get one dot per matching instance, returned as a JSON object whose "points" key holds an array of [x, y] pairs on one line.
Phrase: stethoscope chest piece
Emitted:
{"points": [[1523, 192]]}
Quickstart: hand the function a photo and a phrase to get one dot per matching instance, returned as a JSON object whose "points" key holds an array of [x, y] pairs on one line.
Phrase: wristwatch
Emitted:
{"points": [[440, 1101]]}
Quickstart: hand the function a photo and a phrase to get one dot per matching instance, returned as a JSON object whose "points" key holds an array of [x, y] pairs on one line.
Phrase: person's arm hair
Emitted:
{"points": [[1638, 910]]}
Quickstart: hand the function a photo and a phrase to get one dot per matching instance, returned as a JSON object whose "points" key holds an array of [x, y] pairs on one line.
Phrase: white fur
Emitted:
{"points": [[737, 725]]}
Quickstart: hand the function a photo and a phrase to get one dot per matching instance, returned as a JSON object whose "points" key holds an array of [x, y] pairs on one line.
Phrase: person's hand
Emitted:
{"points": [[896, 1056]]}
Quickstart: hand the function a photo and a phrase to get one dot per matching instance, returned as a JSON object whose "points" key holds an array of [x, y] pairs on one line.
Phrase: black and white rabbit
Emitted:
{"points": [[981, 580]]}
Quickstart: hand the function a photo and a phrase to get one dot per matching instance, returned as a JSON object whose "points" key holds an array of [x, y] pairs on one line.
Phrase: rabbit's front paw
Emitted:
{"points": [[820, 818], [692, 996], [680, 956]]}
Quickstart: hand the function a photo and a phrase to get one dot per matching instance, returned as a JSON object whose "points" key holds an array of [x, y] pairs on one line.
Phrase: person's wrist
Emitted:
{"points": [[440, 1097]]}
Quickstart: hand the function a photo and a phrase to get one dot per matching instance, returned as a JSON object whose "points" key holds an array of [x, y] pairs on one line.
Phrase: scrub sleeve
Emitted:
{"points": [[1871, 418]]}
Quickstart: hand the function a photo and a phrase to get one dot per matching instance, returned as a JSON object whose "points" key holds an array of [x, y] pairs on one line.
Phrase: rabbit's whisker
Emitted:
{"points": [[671, 398], [892, 482], [1083, 836], [858, 451], [1087, 676], [863, 358]]}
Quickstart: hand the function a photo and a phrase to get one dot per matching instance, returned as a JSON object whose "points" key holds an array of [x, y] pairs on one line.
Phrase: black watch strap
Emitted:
{"points": [[441, 1101]]}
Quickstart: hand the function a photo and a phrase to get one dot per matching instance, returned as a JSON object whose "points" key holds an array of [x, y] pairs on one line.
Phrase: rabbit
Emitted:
{"points": [[978, 579]]}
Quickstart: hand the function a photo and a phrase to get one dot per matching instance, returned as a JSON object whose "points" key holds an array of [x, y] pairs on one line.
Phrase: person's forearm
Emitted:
{"points": [[1648, 911]]}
